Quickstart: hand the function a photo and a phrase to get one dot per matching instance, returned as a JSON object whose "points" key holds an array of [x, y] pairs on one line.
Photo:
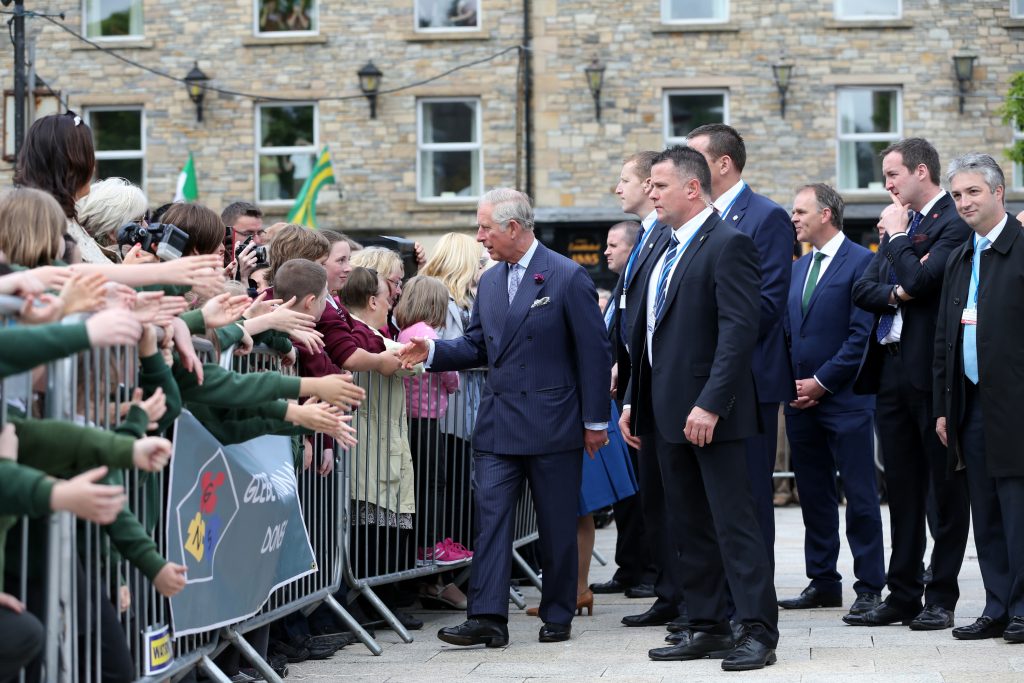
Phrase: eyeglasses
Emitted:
{"points": [[395, 282], [247, 233]]}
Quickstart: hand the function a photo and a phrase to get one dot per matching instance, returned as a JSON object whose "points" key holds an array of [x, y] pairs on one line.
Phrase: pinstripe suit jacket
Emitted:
{"points": [[548, 357]]}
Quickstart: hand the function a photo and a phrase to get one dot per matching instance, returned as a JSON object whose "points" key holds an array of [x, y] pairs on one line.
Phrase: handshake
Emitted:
{"points": [[414, 353]]}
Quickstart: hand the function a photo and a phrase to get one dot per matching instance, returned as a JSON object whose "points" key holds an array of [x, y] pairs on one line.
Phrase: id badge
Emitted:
{"points": [[970, 316], [622, 301]]}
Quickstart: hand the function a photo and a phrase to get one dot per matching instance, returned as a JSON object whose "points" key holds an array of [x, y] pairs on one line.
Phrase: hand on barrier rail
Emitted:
{"points": [[170, 579], [288, 359], [388, 363], [84, 498], [326, 462], [415, 352], [186, 350], [124, 599], [311, 340], [41, 308], [337, 390], [224, 309], [155, 406], [307, 454], [113, 327], [9, 443], [21, 283], [243, 347], [322, 417], [84, 293], [151, 453], [12, 603], [136, 255]]}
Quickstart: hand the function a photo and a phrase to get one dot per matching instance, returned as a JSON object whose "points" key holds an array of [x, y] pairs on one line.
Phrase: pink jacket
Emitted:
{"points": [[426, 396]]}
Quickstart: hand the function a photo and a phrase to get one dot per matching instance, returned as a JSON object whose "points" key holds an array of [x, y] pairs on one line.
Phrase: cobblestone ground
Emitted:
{"points": [[815, 646]]}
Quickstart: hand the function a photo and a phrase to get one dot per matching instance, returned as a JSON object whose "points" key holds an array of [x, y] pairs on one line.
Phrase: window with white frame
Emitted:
{"points": [[286, 16], [1017, 8], [689, 109], [119, 136], [447, 15], [449, 163], [113, 18], [869, 120], [870, 9], [694, 11], [286, 136]]}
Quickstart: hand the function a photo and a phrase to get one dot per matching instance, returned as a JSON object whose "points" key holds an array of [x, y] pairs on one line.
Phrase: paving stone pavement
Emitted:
{"points": [[815, 646]]}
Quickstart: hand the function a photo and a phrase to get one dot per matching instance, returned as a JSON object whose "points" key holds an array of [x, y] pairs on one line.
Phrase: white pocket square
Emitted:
{"points": [[540, 302]]}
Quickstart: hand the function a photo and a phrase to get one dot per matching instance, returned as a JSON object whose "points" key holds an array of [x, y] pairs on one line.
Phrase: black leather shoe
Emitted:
{"points": [[475, 632], [652, 617], [700, 646], [865, 602], [680, 623], [982, 628], [610, 586], [749, 654], [641, 590], [554, 633], [932, 618], [1014, 632], [679, 637], [883, 615], [812, 597]]}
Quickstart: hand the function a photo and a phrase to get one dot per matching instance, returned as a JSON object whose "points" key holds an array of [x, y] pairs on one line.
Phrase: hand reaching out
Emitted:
{"points": [[84, 498], [415, 352], [9, 443], [83, 293], [171, 579], [113, 327], [151, 453], [50, 309], [224, 309]]}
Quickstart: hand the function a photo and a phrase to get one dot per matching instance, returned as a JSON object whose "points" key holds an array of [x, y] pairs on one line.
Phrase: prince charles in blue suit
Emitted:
{"points": [[537, 327]]}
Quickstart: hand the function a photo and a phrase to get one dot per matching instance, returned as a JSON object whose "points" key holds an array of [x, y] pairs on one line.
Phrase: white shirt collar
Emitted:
{"points": [[928, 207], [528, 256], [691, 226], [650, 220], [831, 248], [994, 233], [729, 196]]}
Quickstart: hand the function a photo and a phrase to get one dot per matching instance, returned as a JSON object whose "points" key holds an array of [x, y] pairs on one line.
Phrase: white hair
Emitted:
{"points": [[110, 204], [507, 205]]}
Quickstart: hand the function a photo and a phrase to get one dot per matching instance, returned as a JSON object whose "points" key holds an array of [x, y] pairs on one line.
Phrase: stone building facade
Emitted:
{"points": [[863, 72]]}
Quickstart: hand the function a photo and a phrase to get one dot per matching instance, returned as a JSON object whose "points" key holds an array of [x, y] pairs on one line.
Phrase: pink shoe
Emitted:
{"points": [[439, 554], [457, 550]]}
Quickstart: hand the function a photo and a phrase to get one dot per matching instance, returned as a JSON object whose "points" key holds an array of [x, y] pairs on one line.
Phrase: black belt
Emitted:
{"points": [[893, 348]]}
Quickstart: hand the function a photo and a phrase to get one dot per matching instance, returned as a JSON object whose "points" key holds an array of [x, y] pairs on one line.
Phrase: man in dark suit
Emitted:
{"points": [[978, 391], [693, 403], [828, 425], [768, 225], [641, 524], [537, 327], [901, 286]]}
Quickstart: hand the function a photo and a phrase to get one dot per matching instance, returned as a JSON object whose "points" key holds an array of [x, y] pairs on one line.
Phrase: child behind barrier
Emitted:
{"points": [[421, 312], [383, 484]]}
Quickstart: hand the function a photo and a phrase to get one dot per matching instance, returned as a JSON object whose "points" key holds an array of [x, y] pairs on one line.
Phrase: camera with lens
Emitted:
{"points": [[260, 252], [164, 240]]}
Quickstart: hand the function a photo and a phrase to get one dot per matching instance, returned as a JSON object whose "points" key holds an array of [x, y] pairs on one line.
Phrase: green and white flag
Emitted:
{"points": [[187, 189]]}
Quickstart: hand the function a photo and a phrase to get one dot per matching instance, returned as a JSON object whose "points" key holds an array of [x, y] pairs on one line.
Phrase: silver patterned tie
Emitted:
{"points": [[513, 280]]}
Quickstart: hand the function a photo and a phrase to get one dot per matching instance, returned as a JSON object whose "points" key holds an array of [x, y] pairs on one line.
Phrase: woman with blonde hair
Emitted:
{"points": [[389, 264], [110, 204]]}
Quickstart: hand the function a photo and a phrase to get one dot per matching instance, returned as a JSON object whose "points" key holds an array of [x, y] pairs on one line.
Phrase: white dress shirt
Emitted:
{"points": [[897, 323], [725, 202], [829, 249], [683, 235]]}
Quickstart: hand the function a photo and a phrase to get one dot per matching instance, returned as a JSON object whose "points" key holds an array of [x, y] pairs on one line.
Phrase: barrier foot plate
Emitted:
{"points": [[600, 558], [388, 615], [213, 671], [252, 656], [516, 597], [354, 626], [527, 569]]}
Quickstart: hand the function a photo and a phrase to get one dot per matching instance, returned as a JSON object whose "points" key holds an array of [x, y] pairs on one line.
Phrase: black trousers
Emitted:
{"points": [[664, 546], [632, 552], [21, 639], [997, 505], [711, 513], [760, 452], [426, 443], [914, 460]]}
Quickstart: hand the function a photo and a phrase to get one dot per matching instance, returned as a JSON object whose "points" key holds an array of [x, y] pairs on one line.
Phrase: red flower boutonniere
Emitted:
{"points": [[538, 278], [935, 215]]}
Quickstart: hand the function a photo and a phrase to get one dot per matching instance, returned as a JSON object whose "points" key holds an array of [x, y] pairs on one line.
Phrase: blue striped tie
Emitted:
{"points": [[670, 260]]}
